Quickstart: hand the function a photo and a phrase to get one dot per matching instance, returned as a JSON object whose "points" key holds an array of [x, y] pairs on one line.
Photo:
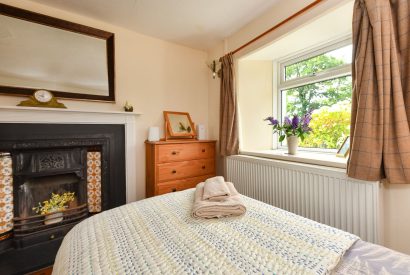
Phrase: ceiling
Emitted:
{"points": [[331, 26], [199, 24]]}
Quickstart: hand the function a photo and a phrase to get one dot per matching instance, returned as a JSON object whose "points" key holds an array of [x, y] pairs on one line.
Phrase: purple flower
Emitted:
{"points": [[272, 121], [295, 121], [307, 118], [287, 121]]}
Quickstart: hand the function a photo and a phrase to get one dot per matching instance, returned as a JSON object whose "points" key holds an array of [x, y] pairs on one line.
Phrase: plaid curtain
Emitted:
{"points": [[380, 133], [228, 127]]}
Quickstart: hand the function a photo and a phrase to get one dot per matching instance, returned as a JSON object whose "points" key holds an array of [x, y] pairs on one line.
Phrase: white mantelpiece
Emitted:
{"points": [[15, 114]]}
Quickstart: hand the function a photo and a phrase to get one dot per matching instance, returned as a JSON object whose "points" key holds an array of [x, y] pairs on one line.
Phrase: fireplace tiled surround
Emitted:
{"points": [[6, 196], [76, 150], [94, 181]]}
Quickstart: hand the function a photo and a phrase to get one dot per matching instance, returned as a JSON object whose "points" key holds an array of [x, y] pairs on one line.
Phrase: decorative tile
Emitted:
{"points": [[94, 181], [6, 194]]}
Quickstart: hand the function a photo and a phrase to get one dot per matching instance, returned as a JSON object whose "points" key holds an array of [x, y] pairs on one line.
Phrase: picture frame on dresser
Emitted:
{"points": [[178, 125]]}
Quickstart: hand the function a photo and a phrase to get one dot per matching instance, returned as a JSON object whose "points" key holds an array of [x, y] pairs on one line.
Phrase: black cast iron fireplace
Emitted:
{"points": [[52, 159], [39, 173]]}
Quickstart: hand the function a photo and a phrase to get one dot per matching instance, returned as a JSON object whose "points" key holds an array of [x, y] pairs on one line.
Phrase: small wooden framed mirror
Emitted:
{"points": [[178, 125]]}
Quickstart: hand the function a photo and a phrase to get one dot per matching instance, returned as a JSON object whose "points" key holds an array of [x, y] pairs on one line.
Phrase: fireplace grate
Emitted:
{"points": [[35, 224]]}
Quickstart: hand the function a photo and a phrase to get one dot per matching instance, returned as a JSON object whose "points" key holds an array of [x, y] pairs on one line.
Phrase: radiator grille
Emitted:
{"points": [[319, 193]]}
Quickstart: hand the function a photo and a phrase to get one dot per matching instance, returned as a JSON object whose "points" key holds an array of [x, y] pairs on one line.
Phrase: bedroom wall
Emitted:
{"points": [[254, 89], [395, 197], [396, 218], [152, 74]]}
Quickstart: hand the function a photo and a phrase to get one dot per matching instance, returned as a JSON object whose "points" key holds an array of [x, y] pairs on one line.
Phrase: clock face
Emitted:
{"points": [[43, 96]]}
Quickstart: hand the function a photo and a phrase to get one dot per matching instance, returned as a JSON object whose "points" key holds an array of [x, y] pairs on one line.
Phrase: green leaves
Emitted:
{"points": [[312, 66], [302, 135], [281, 138], [314, 96], [330, 126], [300, 100]]}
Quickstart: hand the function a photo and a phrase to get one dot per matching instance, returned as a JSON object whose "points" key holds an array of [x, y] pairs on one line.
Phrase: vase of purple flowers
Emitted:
{"points": [[293, 142], [292, 129]]}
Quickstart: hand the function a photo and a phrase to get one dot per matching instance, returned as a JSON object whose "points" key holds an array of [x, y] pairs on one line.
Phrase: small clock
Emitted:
{"points": [[43, 96]]}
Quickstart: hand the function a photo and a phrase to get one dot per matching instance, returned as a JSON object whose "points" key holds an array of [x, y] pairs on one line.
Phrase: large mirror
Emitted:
{"points": [[42, 52]]}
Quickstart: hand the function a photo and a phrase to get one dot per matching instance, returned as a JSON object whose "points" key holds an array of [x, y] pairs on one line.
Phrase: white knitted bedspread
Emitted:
{"points": [[159, 236]]}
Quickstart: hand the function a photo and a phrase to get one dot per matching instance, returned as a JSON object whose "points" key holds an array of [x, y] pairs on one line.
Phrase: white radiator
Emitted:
{"points": [[322, 194]]}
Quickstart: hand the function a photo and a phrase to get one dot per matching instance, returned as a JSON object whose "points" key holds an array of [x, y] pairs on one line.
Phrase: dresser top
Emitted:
{"points": [[176, 141]]}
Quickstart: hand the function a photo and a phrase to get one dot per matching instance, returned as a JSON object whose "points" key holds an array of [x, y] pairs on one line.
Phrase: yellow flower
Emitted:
{"points": [[55, 203]]}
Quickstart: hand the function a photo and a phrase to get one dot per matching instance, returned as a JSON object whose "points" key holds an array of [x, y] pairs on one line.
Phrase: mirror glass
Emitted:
{"points": [[70, 63], [180, 123]]}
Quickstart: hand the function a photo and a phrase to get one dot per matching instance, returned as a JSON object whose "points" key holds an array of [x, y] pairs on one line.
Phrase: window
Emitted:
{"points": [[319, 63], [320, 81]]}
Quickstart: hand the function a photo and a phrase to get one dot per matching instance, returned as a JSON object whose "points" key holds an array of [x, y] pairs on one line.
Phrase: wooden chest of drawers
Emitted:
{"points": [[177, 165]]}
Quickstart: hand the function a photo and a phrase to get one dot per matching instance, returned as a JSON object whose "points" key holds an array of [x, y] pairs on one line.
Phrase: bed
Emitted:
{"points": [[159, 236]]}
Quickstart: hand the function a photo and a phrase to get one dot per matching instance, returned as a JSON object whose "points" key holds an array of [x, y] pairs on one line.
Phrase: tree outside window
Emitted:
{"points": [[330, 98]]}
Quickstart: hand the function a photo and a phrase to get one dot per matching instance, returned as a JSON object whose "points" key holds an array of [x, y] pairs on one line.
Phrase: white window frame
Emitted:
{"points": [[282, 84]]}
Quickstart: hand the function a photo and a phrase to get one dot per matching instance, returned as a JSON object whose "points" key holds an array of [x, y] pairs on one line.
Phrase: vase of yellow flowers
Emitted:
{"points": [[54, 207]]}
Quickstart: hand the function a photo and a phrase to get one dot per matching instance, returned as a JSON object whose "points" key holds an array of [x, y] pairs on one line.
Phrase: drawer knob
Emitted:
{"points": [[174, 189], [52, 237], [174, 152], [203, 150], [203, 166], [174, 171]]}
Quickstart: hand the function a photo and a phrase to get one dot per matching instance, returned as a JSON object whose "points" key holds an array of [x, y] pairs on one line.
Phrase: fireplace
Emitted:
{"points": [[59, 174], [55, 176]]}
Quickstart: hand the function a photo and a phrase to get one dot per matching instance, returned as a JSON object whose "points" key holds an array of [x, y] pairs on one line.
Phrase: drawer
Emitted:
{"points": [[168, 188], [185, 169], [179, 185], [185, 151]]}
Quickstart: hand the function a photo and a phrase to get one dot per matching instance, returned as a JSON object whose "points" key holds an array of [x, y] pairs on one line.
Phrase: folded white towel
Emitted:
{"points": [[231, 206], [215, 189]]}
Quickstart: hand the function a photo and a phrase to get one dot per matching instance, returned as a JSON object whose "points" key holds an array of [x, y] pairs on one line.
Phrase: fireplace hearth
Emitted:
{"points": [[84, 163]]}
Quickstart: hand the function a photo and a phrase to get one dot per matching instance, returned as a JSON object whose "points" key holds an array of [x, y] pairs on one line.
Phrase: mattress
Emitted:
{"points": [[159, 236]]}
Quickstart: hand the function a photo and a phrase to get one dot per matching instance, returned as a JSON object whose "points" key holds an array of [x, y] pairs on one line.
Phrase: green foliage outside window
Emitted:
{"points": [[330, 126], [312, 66], [330, 100]]}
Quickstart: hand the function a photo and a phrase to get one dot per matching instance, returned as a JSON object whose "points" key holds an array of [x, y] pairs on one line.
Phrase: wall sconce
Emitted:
{"points": [[215, 67]]}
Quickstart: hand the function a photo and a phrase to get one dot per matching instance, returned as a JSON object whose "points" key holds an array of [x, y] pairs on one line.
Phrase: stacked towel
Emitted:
{"points": [[216, 198], [215, 189]]}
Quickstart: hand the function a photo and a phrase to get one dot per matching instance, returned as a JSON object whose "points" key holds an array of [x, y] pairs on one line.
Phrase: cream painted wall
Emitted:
{"points": [[396, 197], [152, 74], [213, 111], [254, 87], [396, 218]]}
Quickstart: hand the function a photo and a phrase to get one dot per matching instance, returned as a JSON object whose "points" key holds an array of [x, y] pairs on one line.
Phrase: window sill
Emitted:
{"points": [[315, 158]]}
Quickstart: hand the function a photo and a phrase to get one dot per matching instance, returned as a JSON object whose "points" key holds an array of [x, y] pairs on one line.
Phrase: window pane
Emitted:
{"points": [[331, 102], [319, 63]]}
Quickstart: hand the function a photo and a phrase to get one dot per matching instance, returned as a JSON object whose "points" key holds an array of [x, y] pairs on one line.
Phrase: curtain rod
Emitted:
{"points": [[308, 7]]}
